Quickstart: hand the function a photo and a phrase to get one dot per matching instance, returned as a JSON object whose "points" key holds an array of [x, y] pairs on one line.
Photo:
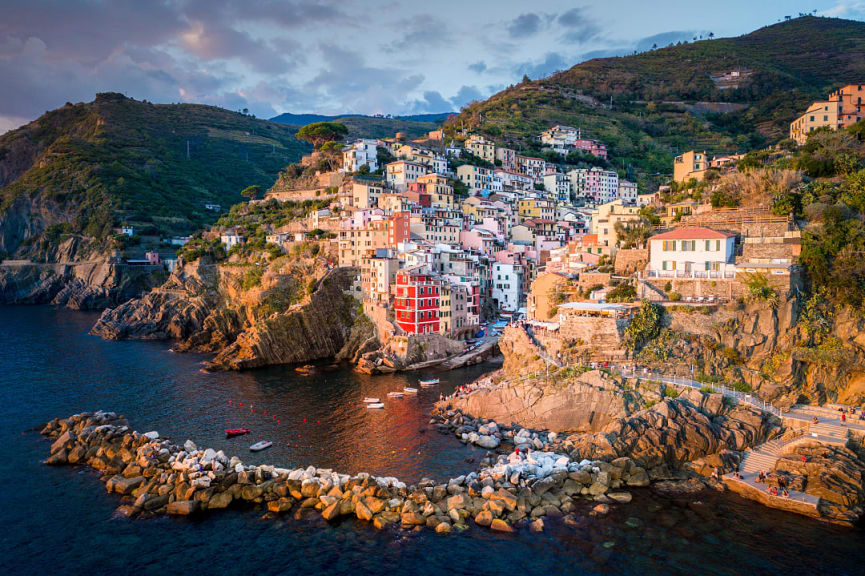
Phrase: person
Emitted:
{"points": [[843, 419], [814, 420], [785, 493], [715, 472], [804, 459]]}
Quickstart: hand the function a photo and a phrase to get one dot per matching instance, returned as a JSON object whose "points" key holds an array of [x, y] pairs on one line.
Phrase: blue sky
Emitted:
{"points": [[327, 56]]}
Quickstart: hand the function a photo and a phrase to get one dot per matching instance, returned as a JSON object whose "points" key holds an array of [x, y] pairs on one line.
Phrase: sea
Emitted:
{"points": [[60, 520]]}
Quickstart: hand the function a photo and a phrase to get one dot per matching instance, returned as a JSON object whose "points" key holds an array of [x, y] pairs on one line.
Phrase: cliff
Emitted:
{"points": [[211, 308]]}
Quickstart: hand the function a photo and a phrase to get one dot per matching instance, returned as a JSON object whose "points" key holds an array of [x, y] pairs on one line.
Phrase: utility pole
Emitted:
{"points": [[187, 149]]}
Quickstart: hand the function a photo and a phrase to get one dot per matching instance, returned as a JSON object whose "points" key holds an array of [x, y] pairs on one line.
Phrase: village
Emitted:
{"points": [[448, 235]]}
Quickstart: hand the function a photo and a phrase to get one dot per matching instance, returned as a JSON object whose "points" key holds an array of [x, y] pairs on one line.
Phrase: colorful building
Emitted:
{"points": [[416, 302]]}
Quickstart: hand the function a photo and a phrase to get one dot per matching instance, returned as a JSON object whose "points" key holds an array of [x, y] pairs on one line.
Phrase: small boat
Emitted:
{"points": [[258, 446], [395, 394], [428, 383], [410, 390], [232, 432], [375, 405], [369, 400]]}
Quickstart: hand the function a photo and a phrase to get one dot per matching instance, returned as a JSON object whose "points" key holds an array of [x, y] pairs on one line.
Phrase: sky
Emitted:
{"points": [[335, 56]]}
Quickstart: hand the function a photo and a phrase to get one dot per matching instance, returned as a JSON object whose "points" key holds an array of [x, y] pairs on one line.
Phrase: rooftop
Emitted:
{"points": [[593, 306], [692, 233]]}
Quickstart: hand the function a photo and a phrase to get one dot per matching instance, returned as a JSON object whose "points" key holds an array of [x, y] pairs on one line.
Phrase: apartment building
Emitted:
{"points": [[594, 184], [416, 302], [475, 177], [844, 108], [481, 148], [558, 186], [399, 174], [690, 165], [363, 152]]}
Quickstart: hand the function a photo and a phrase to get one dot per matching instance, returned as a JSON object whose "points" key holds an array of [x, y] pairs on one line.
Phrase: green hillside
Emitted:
{"points": [[666, 99], [371, 126], [116, 160]]}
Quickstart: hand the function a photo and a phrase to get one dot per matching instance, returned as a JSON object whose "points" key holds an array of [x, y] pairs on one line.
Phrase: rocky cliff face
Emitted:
{"points": [[205, 310], [768, 350]]}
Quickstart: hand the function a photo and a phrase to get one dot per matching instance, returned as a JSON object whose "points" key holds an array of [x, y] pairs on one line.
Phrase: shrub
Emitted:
{"points": [[645, 326]]}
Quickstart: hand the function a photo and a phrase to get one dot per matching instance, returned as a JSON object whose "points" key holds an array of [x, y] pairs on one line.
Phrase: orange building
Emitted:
{"points": [[843, 108]]}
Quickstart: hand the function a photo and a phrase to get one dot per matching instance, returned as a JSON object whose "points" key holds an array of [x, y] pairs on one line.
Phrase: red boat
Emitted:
{"points": [[232, 432]]}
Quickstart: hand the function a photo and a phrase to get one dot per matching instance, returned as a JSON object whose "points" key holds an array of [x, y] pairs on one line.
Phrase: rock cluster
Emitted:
{"points": [[156, 476]]}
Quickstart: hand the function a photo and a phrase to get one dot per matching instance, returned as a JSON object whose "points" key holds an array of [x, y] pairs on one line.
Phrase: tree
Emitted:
{"points": [[645, 326], [319, 133], [251, 192]]}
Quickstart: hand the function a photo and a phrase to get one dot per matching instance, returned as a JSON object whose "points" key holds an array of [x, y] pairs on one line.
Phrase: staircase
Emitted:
{"points": [[757, 461]]}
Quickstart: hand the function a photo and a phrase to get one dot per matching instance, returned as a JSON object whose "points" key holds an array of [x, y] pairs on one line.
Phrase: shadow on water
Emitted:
{"points": [[62, 517]]}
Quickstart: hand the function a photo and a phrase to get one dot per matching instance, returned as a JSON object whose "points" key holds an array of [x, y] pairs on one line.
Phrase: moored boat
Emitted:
{"points": [[410, 390], [369, 400], [428, 383], [262, 445], [395, 394], [375, 405], [232, 432]]}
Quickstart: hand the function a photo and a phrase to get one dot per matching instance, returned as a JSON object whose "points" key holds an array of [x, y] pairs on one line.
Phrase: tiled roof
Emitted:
{"points": [[691, 233]]}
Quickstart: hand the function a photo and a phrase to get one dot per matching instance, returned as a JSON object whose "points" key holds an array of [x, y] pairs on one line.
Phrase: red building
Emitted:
{"points": [[398, 229], [416, 302]]}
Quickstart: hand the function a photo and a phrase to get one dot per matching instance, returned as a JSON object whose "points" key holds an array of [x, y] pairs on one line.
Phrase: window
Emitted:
{"points": [[669, 246]]}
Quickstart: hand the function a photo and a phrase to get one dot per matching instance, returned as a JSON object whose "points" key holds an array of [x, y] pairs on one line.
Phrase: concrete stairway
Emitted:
{"points": [[757, 461]]}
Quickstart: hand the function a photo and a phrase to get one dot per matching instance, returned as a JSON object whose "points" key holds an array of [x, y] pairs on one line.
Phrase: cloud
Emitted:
{"points": [[432, 102], [424, 30], [552, 62], [850, 10], [478, 67], [346, 80], [666, 38], [524, 25], [466, 95], [580, 28]]}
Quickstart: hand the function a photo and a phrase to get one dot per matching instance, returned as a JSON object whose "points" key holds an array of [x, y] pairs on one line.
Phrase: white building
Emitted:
{"points": [[475, 177], [231, 238], [361, 152], [627, 192], [560, 138], [515, 180], [595, 184], [559, 186], [534, 168], [692, 252], [507, 283], [127, 230], [400, 173]]}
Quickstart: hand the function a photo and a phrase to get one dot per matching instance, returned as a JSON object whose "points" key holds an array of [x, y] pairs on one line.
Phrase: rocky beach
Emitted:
{"points": [[155, 476]]}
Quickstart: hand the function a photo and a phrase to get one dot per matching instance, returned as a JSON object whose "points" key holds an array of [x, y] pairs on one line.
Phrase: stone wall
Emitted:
{"points": [[629, 261], [589, 279], [594, 338]]}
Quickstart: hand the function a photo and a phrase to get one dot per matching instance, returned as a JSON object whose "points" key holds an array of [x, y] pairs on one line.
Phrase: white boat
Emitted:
{"points": [[369, 400], [395, 394], [410, 390], [428, 383], [375, 405], [258, 446]]}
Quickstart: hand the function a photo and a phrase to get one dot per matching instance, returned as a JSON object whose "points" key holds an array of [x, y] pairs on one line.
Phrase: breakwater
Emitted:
{"points": [[155, 476]]}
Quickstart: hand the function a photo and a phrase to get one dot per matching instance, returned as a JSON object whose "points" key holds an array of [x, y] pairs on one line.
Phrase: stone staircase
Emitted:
{"points": [[757, 461]]}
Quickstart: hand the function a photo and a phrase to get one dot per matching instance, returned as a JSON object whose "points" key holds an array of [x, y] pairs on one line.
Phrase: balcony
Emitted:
{"points": [[696, 274]]}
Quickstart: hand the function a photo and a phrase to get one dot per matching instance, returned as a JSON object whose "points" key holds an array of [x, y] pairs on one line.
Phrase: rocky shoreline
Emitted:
{"points": [[154, 476]]}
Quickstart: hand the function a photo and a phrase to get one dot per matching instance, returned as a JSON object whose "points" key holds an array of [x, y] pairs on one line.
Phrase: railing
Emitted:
{"points": [[720, 389]]}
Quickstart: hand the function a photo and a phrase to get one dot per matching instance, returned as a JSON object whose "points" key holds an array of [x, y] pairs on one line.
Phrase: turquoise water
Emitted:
{"points": [[60, 520]]}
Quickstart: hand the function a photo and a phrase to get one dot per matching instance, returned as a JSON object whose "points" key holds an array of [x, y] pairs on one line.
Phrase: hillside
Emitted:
{"points": [[666, 99], [83, 169], [359, 126]]}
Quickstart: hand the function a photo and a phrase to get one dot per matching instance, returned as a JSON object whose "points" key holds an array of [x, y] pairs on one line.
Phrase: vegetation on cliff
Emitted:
{"points": [[117, 160]]}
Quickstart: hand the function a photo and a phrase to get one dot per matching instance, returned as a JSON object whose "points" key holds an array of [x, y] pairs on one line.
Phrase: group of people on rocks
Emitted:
{"points": [[773, 490]]}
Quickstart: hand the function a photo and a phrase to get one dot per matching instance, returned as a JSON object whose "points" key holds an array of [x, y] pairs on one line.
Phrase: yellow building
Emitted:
{"points": [[528, 208], [605, 217], [690, 165], [544, 296], [481, 148], [843, 108], [441, 193]]}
